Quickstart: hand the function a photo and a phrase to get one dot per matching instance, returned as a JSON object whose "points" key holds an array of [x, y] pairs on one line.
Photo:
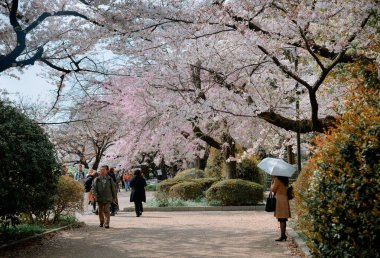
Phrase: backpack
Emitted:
{"points": [[88, 184], [290, 192]]}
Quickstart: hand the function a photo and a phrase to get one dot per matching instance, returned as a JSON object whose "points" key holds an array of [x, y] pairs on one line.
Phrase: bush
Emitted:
{"points": [[151, 187], [205, 183], [190, 173], [164, 186], [69, 198], [186, 190], [248, 170], [340, 201], [28, 167], [235, 192], [215, 164]]}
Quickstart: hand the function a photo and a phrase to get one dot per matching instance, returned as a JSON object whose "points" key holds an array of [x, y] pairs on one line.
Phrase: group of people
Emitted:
{"points": [[101, 189]]}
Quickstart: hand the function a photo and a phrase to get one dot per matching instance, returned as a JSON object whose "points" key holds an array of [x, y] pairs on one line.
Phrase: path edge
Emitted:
{"points": [[4, 246], [301, 244]]}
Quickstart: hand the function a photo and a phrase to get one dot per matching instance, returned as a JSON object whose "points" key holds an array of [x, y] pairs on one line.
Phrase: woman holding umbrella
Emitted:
{"points": [[282, 213], [280, 171]]}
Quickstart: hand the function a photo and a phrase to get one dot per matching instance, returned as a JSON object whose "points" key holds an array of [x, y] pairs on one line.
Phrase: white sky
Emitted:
{"points": [[30, 86]]}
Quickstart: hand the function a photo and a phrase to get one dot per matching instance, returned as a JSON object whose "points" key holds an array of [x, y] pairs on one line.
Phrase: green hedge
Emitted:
{"points": [[190, 173], [235, 192], [248, 170], [339, 204], [215, 164], [205, 183], [164, 186], [186, 190]]}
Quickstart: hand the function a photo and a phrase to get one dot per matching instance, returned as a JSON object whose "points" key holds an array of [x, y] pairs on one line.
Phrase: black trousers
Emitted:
{"points": [[138, 207]]}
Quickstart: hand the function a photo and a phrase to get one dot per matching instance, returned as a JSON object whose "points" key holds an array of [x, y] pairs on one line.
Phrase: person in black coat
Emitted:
{"points": [[138, 196]]}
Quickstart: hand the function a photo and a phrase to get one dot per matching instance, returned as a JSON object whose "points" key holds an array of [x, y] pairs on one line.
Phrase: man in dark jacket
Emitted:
{"points": [[138, 196], [104, 193]]}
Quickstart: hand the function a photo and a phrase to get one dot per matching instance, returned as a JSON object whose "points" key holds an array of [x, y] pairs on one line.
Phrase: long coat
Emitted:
{"points": [[138, 184], [282, 202]]}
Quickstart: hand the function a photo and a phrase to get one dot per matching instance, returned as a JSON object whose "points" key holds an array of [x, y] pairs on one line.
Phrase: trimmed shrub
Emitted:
{"points": [[29, 170], [340, 201], [248, 170], [186, 190], [69, 198], [205, 183], [215, 164], [164, 186], [235, 192], [190, 173]]}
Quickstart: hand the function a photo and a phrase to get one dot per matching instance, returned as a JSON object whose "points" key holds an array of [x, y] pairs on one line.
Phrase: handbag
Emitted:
{"points": [[270, 206]]}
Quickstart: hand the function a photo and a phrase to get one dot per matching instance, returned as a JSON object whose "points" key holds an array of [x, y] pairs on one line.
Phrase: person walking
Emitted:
{"points": [[104, 193], [138, 196], [126, 179], [87, 188], [114, 204], [79, 174], [282, 213]]}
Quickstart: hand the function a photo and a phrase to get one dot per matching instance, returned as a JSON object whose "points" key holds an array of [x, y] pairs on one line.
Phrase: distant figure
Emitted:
{"points": [[138, 196], [87, 188], [104, 193], [126, 179], [282, 213], [114, 204], [79, 174]]}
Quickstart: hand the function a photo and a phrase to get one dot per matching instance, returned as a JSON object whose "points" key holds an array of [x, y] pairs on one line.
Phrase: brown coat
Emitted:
{"points": [[282, 202]]}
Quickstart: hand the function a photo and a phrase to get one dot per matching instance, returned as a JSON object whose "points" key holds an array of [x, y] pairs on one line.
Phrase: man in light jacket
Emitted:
{"points": [[104, 193]]}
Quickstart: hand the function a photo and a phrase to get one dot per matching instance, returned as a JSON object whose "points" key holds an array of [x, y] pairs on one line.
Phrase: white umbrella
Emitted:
{"points": [[276, 167]]}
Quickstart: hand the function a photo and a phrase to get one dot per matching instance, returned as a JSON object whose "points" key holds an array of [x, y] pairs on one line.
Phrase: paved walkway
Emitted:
{"points": [[166, 234]]}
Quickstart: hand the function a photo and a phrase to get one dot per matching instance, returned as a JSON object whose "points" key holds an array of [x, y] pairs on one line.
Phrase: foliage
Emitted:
{"points": [[205, 183], [215, 164], [190, 173], [28, 166], [164, 186], [176, 202], [235, 192], [338, 191], [186, 190], [69, 198], [151, 187], [247, 170], [19, 231]]}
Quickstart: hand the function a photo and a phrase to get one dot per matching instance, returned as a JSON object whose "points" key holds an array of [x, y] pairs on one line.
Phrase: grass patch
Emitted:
{"points": [[10, 234], [176, 202], [151, 187], [19, 232]]}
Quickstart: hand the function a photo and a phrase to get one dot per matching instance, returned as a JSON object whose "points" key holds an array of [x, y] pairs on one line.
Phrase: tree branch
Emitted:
{"points": [[302, 126], [285, 69], [206, 138]]}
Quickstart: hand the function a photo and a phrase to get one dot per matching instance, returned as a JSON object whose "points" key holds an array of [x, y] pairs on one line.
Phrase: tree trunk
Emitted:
{"points": [[229, 152], [203, 161], [291, 159]]}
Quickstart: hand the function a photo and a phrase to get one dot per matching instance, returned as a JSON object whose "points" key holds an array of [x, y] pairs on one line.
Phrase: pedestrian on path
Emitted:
{"points": [[114, 205], [104, 193], [282, 213], [79, 174], [138, 196], [87, 188], [126, 180]]}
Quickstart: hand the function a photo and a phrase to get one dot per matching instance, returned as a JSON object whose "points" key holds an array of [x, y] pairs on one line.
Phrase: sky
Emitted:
{"points": [[30, 86]]}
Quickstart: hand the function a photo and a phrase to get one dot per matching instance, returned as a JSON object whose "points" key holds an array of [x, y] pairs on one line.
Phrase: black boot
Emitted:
{"points": [[283, 229]]}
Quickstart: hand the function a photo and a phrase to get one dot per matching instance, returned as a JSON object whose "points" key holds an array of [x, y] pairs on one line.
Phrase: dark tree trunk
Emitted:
{"points": [[228, 152]]}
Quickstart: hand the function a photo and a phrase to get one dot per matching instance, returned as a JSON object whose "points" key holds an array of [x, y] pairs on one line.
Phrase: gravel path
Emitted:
{"points": [[165, 234]]}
